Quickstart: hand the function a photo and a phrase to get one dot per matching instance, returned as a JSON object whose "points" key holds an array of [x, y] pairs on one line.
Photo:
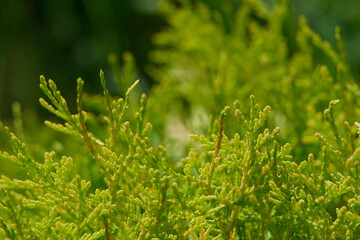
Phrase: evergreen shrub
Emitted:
{"points": [[282, 166]]}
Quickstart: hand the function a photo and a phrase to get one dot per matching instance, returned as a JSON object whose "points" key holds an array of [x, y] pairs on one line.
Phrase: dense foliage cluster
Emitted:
{"points": [[250, 171]]}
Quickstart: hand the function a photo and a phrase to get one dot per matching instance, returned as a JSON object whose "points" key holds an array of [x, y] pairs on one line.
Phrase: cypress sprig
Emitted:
{"points": [[109, 108], [81, 113], [215, 158]]}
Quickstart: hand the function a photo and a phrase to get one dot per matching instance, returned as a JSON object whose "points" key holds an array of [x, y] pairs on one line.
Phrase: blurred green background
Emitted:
{"points": [[70, 38], [66, 39]]}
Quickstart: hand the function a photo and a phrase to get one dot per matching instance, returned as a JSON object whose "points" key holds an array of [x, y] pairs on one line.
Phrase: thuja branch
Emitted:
{"points": [[329, 116], [215, 158], [84, 132], [109, 107]]}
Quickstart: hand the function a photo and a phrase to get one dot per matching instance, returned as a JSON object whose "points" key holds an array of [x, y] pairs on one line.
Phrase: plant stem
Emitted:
{"points": [[216, 154]]}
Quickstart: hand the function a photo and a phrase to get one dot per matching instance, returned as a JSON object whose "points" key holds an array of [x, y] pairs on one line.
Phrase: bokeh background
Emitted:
{"points": [[70, 38]]}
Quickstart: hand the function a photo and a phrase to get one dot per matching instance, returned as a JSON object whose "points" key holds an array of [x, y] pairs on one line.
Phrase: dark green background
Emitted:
{"points": [[70, 38]]}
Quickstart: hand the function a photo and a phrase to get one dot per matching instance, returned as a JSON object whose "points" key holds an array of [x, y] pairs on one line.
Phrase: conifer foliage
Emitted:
{"points": [[244, 177]]}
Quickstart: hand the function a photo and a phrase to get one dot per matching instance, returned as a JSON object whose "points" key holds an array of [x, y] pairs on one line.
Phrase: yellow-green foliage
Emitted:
{"points": [[282, 166], [203, 67]]}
